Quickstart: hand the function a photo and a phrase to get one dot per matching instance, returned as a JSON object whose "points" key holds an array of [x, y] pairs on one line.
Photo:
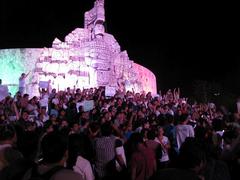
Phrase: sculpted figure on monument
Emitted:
{"points": [[98, 30], [95, 18]]}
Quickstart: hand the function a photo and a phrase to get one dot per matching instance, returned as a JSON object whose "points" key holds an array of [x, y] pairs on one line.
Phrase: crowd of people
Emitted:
{"points": [[131, 135]]}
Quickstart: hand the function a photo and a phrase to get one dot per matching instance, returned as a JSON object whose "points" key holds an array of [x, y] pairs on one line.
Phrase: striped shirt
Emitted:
{"points": [[105, 152]]}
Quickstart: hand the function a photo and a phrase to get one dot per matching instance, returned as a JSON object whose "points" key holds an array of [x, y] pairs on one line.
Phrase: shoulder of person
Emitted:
{"points": [[118, 142], [66, 174]]}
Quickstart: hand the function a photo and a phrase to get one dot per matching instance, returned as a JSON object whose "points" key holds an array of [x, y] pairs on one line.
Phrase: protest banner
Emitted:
{"points": [[43, 84], [88, 105], [110, 91]]}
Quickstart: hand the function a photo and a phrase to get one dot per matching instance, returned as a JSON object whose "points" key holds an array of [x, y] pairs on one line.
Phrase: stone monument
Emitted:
{"points": [[88, 57]]}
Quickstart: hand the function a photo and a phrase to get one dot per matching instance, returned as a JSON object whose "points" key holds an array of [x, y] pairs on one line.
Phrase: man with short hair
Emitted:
{"points": [[183, 130]]}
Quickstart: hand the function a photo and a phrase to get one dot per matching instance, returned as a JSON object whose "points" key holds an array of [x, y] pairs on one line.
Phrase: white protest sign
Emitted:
{"points": [[43, 84], [110, 91], [88, 105], [78, 105], [3, 92]]}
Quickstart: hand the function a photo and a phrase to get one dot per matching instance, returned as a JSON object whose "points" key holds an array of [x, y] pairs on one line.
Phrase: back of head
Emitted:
{"points": [[191, 154], [78, 145], [11, 155], [151, 135], [54, 147], [183, 118], [7, 132], [134, 140], [28, 144], [106, 129], [170, 118]]}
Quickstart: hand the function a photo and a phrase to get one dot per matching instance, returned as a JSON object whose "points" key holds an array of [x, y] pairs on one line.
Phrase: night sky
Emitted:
{"points": [[179, 42]]}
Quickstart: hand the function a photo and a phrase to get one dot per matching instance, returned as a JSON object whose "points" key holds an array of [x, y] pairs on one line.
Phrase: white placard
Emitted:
{"points": [[88, 105], [110, 91], [78, 105], [3, 92], [43, 84]]}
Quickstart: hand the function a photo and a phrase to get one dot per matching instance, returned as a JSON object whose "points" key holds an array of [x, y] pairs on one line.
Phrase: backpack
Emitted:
{"points": [[35, 175]]}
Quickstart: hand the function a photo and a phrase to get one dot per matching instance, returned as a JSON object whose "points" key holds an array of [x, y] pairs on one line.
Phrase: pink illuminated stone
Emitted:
{"points": [[89, 57]]}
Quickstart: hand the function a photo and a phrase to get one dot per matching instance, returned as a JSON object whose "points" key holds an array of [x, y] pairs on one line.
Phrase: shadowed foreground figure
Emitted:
{"points": [[191, 162], [142, 159], [54, 153]]}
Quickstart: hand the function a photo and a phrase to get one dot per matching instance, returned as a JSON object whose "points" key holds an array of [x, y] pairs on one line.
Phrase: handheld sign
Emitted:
{"points": [[88, 105], [110, 91], [43, 84]]}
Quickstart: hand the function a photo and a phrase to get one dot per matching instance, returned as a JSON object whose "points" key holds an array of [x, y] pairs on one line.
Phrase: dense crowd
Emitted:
{"points": [[131, 135]]}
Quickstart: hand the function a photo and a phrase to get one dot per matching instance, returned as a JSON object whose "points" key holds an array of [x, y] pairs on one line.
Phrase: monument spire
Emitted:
{"points": [[95, 18]]}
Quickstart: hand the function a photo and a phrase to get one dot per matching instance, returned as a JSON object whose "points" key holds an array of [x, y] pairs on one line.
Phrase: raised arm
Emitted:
{"points": [[40, 91], [27, 75], [16, 110]]}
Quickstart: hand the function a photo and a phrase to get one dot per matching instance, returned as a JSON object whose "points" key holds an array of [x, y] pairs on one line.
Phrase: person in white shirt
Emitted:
{"points": [[164, 142], [183, 130], [22, 82], [121, 162], [44, 96], [84, 168]]}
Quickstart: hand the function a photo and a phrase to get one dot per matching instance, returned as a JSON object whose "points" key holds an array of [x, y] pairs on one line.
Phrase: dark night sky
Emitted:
{"points": [[179, 42]]}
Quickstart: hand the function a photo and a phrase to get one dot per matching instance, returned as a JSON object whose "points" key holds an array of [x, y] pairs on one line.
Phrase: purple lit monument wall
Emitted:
{"points": [[90, 57]]}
